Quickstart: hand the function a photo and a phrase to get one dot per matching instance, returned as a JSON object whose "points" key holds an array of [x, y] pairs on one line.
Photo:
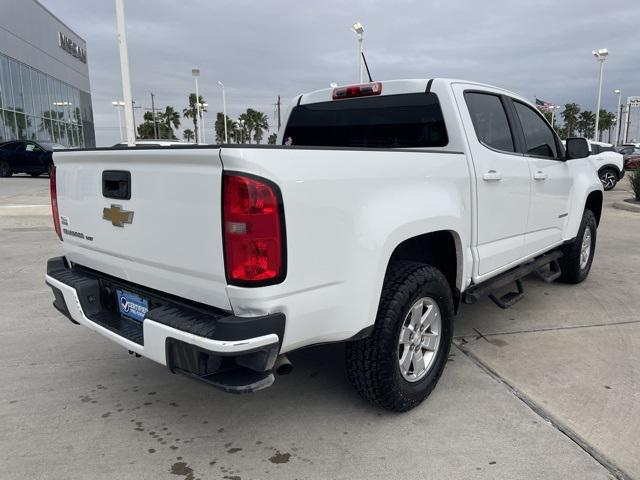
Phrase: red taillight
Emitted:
{"points": [[253, 231], [54, 201], [362, 90]]}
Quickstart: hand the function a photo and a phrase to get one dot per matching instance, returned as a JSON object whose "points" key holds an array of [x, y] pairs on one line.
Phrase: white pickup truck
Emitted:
{"points": [[385, 205]]}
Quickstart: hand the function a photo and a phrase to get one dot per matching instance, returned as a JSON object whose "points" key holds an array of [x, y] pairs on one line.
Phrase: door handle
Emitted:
{"points": [[492, 176], [540, 176]]}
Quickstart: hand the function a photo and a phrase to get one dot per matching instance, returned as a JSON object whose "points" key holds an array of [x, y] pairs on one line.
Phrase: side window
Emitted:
{"points": [[490, 120], [538, 136], [595, 149]]}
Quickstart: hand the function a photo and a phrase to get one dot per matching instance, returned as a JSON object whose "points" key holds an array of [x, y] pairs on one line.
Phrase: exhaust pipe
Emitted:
{"points": [[283, 366]]}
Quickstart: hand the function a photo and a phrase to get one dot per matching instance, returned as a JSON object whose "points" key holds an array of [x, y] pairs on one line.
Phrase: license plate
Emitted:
{"points": [[131, 305]]}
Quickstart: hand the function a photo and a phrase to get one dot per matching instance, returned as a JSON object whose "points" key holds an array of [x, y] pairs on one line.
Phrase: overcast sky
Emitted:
{"points": [[262, 49]]}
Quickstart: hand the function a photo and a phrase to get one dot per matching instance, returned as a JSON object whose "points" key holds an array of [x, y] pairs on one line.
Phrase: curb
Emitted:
{"points": [[24, 210], [629, 207]]}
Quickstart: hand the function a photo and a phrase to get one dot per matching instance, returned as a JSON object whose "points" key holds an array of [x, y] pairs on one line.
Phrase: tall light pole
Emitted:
{"points": [[224, 111], [118, 106], [601, 56], [359, 29], [618, 116], [202, 126], [195, 72], [124, 68]]}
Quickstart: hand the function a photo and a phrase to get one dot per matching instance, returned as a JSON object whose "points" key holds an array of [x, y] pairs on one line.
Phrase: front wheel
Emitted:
{"points": [[575, 264], [609, 179], [399, 364]]}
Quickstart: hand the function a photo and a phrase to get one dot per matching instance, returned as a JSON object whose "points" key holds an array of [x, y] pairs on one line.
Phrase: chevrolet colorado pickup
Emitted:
{"points": [[384, 206]]}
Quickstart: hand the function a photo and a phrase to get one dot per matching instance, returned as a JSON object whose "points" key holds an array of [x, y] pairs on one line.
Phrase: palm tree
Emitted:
{"points": [[570, 117], [187, 134], [605, 123], [171, 119], [246, 120], [586, 123], [260, 124], [192, 111]]}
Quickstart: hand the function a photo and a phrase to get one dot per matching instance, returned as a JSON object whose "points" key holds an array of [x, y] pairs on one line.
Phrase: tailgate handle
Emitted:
{"points": [[116, 184]]}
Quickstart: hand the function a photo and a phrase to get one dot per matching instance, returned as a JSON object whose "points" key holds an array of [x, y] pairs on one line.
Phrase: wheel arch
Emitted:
{"points": [[441, 249], [594, 203]]}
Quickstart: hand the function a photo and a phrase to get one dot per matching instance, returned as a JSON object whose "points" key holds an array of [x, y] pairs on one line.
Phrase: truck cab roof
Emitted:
{"points": [[399, 87]]}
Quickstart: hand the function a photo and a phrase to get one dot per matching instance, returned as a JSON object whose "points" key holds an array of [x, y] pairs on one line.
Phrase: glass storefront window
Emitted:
{"points": [[16, 82], [26, 90], [35, 106], [5, 80]]}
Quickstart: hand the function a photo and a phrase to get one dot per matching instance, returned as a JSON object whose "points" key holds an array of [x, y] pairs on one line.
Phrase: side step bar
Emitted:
{"points": [[473, 294]]}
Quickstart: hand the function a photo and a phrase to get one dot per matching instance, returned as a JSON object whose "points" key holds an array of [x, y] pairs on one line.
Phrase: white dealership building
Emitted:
{"points": [[44, 77]]}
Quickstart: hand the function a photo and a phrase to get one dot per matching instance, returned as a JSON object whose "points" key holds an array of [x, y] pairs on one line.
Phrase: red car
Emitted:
{"points": [[632, 162]]}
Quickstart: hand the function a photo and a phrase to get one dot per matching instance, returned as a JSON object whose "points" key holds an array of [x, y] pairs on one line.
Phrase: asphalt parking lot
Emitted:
{"points": [[547, 389]]}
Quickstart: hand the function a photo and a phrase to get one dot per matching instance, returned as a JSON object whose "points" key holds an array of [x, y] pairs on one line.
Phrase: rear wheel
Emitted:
{"points": [[576, 262], [5, 169], [609, 178], [399, 364]]}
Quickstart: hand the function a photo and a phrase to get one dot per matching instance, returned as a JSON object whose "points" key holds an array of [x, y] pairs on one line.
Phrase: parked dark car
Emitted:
{"points": [[632, 162], [34, 158]]}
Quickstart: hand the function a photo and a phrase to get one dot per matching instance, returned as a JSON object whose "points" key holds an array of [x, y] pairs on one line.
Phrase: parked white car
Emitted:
{"points": [[384, 206], [608, 163]]}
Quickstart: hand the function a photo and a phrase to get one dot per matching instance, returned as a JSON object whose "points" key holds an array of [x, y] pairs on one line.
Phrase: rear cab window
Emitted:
{"points": [[412, 120]]}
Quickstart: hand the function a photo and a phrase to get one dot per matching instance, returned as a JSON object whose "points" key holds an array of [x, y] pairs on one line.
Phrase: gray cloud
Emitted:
{"points": [[264, 49]]}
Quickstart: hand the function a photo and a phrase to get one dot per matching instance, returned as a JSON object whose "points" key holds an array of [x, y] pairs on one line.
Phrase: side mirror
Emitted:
{"points": [[577, 147]]}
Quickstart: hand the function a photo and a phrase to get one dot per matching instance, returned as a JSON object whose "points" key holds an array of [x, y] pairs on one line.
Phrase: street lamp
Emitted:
{"points": [[202, 126], [118, 106], [359, 29], [601, 56], [224, 111], [618, 116], [195, 72]]}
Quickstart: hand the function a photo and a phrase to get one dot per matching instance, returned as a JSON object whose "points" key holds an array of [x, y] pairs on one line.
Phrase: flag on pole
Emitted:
{"points": [[543, 105]]}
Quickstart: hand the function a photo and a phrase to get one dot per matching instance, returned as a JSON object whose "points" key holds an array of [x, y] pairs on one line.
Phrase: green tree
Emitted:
{"points": [[219, 127], [192, 111], [272, 139], [570, 117], [187, 134], [260, 124], [170, 119], [586, 124], [147, 129], [605, 123], [255, 124], [246, 126]]}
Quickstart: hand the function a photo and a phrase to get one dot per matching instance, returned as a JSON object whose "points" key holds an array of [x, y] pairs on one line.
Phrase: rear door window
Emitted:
{"points": [[389, 121], [490, 120]]}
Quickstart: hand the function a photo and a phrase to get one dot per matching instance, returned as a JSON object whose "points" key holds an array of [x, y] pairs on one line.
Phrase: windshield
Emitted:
{"points": [[391, 121]]}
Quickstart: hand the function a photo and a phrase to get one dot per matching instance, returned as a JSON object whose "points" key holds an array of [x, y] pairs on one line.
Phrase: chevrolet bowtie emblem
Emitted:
{"points": [[117, 216]]}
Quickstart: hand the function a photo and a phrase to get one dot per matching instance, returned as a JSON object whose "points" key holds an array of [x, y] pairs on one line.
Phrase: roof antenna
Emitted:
{"points": [[367, 67]]}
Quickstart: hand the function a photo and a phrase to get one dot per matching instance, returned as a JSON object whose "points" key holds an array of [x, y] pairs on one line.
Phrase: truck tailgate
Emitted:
{"points": [[173, 242]]}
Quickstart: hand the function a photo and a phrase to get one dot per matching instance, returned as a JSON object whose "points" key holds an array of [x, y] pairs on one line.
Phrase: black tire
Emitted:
{"points": [[570, 263], [608, 178], [5, 169], [35, 174], [372, 363]]}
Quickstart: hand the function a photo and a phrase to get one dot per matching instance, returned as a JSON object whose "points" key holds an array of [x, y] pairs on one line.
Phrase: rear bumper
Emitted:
{"points": [[235, 354]]}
